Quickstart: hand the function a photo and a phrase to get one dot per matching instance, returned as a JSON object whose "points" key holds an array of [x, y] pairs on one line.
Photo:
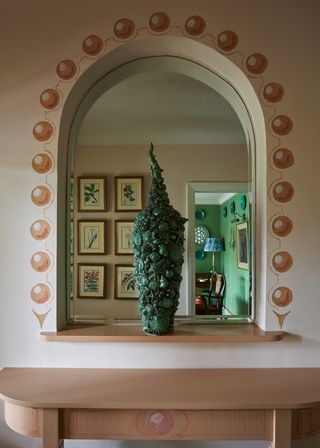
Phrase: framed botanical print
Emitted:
{"points": [[128, 193], [92, 194], [125, 284], [92, 280], [123, 237], [242, 245], [91, 237]]}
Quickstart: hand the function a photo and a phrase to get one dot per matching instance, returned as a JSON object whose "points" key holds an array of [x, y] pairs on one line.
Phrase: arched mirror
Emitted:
{"points": [[204, 142]]}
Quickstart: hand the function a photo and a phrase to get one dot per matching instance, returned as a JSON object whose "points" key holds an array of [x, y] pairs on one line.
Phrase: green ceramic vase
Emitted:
{"points": [[158, 246]]}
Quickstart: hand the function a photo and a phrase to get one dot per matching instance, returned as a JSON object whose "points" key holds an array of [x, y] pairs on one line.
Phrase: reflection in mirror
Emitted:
{"points": [[199, 137]]}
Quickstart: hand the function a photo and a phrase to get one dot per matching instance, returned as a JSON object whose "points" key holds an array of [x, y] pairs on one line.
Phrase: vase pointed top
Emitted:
{"points": [[155, 168]]}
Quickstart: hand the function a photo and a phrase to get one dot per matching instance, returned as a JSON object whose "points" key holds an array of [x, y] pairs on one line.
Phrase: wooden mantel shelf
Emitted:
{"points": [[190, 333]]}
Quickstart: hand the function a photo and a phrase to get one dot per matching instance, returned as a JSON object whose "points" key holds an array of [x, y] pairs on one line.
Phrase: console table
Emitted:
{"points": [[277, 405]]}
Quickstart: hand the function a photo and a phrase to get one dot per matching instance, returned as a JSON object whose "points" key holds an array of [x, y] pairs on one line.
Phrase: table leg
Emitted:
{"points": [[282, 421], [50, 429]]}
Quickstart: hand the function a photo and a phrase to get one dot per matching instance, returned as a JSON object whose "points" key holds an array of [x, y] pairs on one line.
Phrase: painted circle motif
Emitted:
{"points": [[40, 229], [273, 92], [227, 40], [41, 293], [92, 45], [42, 163], [160, 422], [283, 191], [282, 226], [282, 125], [50, 98], [282, 296], [256, 63], [66, 69], [40, 261], [282, 158], [195, 26], [159, 22], [124, 28], [41, 195], [282, 261], [43, 131]]}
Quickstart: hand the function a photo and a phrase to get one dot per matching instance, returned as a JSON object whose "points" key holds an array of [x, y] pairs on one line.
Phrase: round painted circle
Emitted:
{"points": [[200, 254], [232, 207], [225, 212], [200, 214], [201, 233], [243, 202]]}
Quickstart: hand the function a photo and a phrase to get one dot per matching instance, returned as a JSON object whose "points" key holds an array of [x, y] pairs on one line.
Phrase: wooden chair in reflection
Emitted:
{"points": [[211, 300]]}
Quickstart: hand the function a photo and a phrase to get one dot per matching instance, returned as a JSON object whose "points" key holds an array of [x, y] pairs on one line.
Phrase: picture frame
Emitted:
{"points": [[125, 284], [92, 238], [122, 237], [92, 194], [128, 193], [242, 243], [91, 280]]}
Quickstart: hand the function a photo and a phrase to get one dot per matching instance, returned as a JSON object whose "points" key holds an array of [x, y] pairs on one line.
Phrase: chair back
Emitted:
{"points": [[217, 284]]}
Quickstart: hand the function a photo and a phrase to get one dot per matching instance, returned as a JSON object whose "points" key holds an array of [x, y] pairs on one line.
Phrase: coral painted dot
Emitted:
{"points": [[273, 92], [50, 98], [40, 261], [42, 163], [92, 45], [282, 158], [283, 191], [159, 22], [256, 63], [195, 26], [67, 69], [282, 261], [282, 125], [282, 296], [227, 40], [41, 293], [41, 195], [40, 229], [43, 131], [160, 422], [124, 28], [282, 226]]}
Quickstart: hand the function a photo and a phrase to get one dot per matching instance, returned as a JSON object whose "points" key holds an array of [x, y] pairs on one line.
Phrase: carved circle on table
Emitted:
{"points": [[41, 261], [282, 226], [227, 40], [282, 296], [283, 191], [41, 195], [160, 422], [256, 63], [41, 293], [124, 28], [43, 131], [159, 22], [282, 158], [42, 163], [282, 261], [67, 69], [40, 229], [195, 26], [92, 45], [281, 125], [273, 92], [50, 98]]}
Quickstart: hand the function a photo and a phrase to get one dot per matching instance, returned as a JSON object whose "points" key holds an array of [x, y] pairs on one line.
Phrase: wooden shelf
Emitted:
{"points": [[183, 333]]}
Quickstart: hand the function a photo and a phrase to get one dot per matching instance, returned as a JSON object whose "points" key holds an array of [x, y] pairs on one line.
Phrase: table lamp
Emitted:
{"points": [[213, 245]]}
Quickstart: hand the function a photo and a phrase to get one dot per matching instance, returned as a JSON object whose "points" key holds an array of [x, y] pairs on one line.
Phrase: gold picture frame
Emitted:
{"points": [[92, 237], [123, 237], [128, 193], [242, 243], [92, 194], [92, 280], [125, 284]]}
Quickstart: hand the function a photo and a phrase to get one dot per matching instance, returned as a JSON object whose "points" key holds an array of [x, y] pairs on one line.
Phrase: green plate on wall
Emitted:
{"points": [[225, 212], [200, 254], [243, 202], [233, 207], [200, 214]]}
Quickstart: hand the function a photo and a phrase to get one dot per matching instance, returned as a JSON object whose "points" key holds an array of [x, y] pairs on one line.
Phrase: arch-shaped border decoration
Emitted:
{"points": [[253, 65]]}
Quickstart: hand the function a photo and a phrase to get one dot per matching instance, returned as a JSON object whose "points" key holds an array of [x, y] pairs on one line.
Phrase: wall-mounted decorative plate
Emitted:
{"points": [[243, 202], [232, 207], [200, 214], [225, 212], [201, 233], [200, 254]]}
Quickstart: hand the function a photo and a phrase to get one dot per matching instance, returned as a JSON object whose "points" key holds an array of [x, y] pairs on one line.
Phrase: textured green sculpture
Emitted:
{"points": [[158, 236]]}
